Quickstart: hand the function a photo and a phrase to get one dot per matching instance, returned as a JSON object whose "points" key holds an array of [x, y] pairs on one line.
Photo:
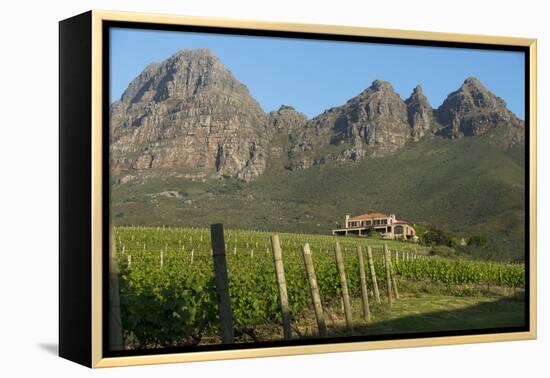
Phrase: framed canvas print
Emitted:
{"points": [[234, 189]]}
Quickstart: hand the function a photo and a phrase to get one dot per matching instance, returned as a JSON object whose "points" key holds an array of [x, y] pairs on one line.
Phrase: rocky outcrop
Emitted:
{"points": [[371, 124], [473, 110], [419, 114], [189, 111], [286, 120]]}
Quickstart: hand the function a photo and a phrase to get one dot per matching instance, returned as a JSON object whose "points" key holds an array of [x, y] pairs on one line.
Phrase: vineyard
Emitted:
{"points": [[168, 295]]}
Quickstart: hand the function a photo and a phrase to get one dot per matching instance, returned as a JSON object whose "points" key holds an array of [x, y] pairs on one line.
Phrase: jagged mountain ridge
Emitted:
{"points": [[189, 111]]}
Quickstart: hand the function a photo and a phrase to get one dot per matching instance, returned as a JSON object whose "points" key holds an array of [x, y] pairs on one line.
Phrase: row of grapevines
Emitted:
{"points": [[457, 272], [168, 296]]}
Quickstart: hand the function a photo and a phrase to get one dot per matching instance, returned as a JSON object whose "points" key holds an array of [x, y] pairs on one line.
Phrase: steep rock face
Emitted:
{"points": [[283, 126], [285, 120], [419, 114], [189, 111], [473, 110], [374, 123], [371, 124]]}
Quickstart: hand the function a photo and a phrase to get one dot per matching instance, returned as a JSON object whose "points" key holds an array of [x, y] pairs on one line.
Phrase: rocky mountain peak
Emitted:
{"points": [[474, 94], [196, 54], [473, 81], [283, 108], [417, 96], [381, 85], [473, 90], [473, 110], [371, 124], [418, 90], [189, 112], [286, 119], [204, 61], [419, 113], [193, 71], [184, 74], [379, 91]]}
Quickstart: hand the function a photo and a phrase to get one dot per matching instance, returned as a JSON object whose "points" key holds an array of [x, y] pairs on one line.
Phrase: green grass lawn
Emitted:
{"points": [[414, 313], [445, 313]]}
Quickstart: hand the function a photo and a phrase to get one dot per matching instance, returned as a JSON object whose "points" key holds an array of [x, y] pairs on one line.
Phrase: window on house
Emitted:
{"points": [[398, 230]]}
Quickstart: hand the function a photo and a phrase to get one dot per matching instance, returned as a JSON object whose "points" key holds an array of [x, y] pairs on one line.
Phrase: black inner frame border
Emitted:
{"points": [[105, 73]]}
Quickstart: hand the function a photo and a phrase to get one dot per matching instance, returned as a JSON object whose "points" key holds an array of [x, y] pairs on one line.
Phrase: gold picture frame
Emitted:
{"points": [[80, 272]]}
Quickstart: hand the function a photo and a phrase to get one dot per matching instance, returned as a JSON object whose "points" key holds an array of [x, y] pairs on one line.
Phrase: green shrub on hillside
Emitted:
{"points": [[436, 236], [478, 241], [442, 251]]}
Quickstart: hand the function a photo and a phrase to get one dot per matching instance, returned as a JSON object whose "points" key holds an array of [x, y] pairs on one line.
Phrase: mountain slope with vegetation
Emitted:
{"points": [[467, 186], [190, 147]]}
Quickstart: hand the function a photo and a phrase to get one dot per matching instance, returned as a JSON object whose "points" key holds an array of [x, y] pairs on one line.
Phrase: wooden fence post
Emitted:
{"points": [[316, 298], [116, 341], [343, 285], [281, 283], [393, 283], [363, 279], [222, 283], [396, 258], [373, 274], [388, 273], [161, 258]]}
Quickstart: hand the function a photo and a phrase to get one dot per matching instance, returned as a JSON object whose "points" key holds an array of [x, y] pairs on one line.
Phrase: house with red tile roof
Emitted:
{"points": [[387, 225]]}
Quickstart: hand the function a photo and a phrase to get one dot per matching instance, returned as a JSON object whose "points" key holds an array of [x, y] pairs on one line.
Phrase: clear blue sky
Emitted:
{"points": [[315, 75]]}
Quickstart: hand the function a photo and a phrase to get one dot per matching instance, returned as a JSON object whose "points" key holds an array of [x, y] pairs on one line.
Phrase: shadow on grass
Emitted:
{"points": [[501, 313]]}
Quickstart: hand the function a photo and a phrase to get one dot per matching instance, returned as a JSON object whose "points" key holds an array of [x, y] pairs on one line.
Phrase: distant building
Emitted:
{"points": [[388, 225]]}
